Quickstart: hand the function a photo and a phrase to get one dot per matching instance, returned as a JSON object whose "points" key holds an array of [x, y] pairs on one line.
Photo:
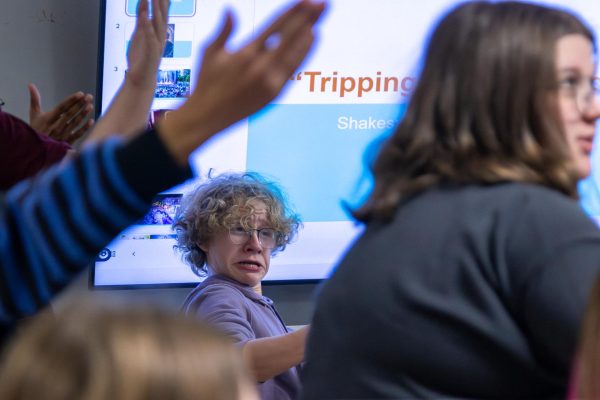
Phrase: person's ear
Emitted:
{"points": [[203, 247]]}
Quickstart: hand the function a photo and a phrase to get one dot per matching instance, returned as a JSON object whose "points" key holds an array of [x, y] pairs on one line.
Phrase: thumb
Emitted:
{"points": [[35, 101]]}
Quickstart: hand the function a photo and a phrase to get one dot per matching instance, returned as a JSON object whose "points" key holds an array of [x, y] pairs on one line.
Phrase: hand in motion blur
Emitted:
{"points": [[147, 43], [233, 85], [67, 122], [128, 111]]}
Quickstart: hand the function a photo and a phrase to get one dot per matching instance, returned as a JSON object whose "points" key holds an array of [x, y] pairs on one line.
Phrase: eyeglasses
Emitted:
{"points": [[267, 237], [583, 91]]}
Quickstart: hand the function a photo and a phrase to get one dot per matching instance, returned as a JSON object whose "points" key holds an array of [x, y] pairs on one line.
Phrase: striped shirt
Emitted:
{"points": [[52, 226]]}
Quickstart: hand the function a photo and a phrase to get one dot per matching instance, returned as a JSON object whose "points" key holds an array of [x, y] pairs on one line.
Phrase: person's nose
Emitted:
{"points": [[253, 244], [592, 112]]}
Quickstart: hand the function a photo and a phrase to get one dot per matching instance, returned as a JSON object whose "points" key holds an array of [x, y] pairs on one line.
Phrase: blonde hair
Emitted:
{"points": [[110, 354], [224, 201]]}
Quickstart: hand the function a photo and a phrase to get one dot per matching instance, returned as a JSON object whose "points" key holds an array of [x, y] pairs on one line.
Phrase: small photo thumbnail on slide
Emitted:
{"points": [[173, 83], [170, 43], [179, 40], [163, 210]]}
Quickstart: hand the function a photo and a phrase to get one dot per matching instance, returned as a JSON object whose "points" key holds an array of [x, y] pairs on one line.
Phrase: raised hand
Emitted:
{"points": [[233, 85], [66, 122], [147, 43], [128, 112]]}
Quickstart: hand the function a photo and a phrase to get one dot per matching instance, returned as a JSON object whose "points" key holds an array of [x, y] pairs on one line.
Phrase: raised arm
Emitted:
{"points": [[127, 114], [52, 226], [232, 86]]}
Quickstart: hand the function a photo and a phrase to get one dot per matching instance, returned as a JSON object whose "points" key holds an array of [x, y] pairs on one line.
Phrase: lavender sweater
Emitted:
{"points": [[244, 315]]}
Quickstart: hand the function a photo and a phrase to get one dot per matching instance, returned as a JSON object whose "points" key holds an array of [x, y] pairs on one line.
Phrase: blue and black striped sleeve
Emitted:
{"points": [[52, 226]]}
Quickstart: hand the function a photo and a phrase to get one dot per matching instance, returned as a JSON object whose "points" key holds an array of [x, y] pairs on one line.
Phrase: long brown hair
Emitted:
{"points": [[484, 109]]}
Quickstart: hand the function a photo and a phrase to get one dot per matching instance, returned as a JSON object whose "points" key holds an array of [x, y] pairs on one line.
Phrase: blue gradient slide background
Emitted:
{"points": [[302, 146]]}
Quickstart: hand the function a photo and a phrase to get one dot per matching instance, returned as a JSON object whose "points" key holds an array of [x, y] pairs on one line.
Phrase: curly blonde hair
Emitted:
{"points": [[224, 201]]}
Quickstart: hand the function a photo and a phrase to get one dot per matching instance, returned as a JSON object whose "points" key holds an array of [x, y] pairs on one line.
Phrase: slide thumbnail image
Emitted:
{"points": [[170, 44], [179, 41], [172, 84], [163, 210]]}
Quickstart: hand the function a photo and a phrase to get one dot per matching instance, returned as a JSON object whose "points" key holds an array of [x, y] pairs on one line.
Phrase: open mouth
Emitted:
{"points": [[249, 265]]}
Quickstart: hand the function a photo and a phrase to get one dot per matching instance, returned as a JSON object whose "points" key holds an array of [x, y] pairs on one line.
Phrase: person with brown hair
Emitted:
{"points": [[471, 276], [100, 353]]}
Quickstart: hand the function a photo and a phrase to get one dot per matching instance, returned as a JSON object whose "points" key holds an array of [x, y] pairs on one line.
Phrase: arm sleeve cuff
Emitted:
{"points": [[148, 167]]}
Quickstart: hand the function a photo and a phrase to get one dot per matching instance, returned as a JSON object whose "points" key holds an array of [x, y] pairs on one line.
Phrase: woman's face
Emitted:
{"points": [[246, 263], [578, 105]]}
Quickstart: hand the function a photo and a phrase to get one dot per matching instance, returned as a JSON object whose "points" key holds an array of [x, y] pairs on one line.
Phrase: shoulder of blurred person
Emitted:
{"points": [[121, 353], [24, 151]]}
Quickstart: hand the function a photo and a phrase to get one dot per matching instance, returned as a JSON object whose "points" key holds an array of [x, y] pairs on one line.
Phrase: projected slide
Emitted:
{"points": [[315, 139]]}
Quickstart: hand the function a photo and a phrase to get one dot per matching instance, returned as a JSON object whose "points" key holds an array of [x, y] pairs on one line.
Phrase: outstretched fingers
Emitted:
{"points": [[303, 14], [70, 119], [142, 12], [297, 34], [285, 43], [293, 46], [160, 10], [235, 84], [35, 101], [78, 132], [67, 106], [281, 21]]}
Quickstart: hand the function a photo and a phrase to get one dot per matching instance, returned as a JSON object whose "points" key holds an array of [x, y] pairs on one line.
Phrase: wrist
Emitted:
{"points": [[182, 131], [139, 82]]}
